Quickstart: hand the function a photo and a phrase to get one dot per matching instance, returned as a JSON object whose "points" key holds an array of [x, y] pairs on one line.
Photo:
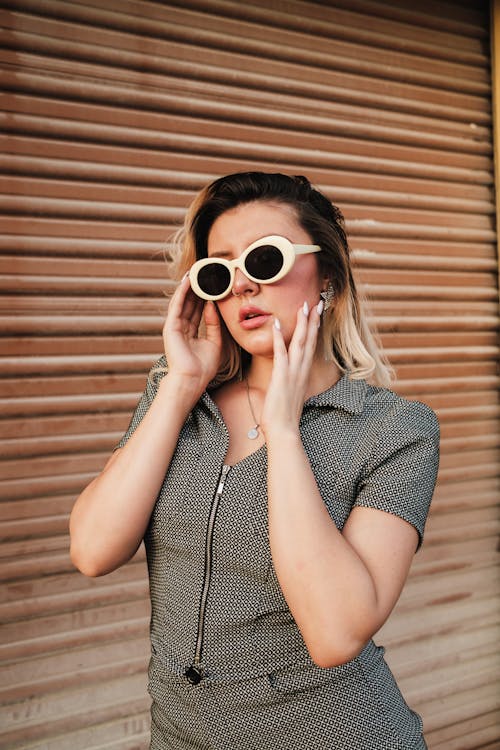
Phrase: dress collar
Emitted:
{"points": [[345, 394]]}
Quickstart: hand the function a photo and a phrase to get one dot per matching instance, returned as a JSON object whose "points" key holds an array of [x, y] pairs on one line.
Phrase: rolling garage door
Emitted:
{"points": [[114, 113]]}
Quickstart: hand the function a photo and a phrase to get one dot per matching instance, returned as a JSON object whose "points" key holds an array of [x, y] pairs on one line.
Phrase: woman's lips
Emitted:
{"points": [[253, 317]]}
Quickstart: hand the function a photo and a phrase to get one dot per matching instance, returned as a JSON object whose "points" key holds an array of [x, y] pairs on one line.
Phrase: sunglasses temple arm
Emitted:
{"points": [[304, 249]]}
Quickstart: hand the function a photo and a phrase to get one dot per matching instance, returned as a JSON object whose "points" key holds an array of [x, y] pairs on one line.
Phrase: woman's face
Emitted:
{"points": [[249, 310]]}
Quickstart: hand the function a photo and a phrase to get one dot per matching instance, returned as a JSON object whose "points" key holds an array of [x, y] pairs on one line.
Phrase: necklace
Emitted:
{"points": [[253, 432]]}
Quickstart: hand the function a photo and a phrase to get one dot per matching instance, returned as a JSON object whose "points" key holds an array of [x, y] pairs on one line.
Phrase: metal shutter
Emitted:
{"points": [[114, 113]]}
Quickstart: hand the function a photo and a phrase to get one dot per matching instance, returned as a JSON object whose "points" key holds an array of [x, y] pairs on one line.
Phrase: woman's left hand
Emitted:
{"points": [[291, 369]]}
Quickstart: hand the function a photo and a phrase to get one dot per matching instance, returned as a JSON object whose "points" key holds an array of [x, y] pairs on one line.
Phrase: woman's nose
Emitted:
{"points": [[243, 285]]}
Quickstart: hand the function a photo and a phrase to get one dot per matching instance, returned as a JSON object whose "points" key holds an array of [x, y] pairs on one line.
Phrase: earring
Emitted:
{"points": [[327, 296]]}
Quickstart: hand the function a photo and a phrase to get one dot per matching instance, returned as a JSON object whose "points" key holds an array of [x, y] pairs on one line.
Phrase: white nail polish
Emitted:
{"points": [[277, 324], [320, 306], [305, 308]]}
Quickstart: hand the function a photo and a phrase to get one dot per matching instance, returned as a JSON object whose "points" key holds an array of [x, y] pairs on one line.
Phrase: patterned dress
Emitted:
{"points": [[229, 669]]}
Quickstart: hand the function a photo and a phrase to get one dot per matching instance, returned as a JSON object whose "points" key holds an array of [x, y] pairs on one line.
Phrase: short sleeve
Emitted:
{"points": [[156, 373], [401, 474]]}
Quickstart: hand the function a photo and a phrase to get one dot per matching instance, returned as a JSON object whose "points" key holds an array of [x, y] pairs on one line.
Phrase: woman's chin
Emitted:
{"points": [[257, 345]]}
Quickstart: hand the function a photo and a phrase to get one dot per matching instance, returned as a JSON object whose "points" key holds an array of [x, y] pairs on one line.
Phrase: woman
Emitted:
{"points": [[281, 497]]}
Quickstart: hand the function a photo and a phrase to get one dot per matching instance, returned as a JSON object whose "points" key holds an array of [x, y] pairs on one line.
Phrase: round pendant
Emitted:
{"points": [[253, 433]]}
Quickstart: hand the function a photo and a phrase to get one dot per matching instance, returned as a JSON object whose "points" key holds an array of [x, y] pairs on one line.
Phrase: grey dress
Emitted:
{"points": [[229, 669]]}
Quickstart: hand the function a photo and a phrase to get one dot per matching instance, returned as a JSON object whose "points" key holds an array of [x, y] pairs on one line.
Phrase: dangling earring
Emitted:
{"points": [[327, 296]]}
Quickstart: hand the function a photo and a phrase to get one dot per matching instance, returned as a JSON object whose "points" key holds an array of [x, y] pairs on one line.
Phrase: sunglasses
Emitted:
{"points": [[265, 261]]}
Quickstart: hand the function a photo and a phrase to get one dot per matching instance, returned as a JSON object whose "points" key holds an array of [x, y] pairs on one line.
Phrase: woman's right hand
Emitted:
{"points": [[189, 356]]}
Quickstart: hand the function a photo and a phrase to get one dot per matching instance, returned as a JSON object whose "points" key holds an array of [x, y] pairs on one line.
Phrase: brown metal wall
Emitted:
{"points": [[114, 113]]}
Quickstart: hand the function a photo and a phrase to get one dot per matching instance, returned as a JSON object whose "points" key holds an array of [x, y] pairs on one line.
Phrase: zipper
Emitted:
{"points": [[194, 673]]}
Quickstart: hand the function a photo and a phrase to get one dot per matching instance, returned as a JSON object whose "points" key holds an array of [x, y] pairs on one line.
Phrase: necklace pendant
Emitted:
{"points": [[253, 433]]}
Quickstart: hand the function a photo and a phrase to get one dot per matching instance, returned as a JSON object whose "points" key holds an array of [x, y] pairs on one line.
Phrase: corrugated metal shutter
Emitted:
{"points": [[114, 113]]}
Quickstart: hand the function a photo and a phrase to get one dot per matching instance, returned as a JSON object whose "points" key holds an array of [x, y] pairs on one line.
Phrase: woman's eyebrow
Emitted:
{"points": [[221, 254]]}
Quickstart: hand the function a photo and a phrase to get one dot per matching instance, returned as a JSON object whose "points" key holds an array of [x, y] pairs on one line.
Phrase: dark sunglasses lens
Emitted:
{"points": [[264, 262], [214, 279]]}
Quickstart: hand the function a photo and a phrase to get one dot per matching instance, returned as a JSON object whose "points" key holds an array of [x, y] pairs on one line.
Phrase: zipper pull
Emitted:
{"points": [[193, 674], [222, 480]]}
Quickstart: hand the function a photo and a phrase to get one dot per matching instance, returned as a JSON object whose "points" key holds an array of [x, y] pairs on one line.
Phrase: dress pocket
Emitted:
{"points": [[308, 676]]}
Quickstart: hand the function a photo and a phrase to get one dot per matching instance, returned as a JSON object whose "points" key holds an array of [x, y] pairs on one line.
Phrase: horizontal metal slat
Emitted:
{"points": [[188, 172], [29, 536], [134, 352], [66, 185], [21, 569], [105, 662], [413, 292], [391, 314], [75, 629], [451, 247], [49, 466], [473, 732], [128, 306], [433, 390], [479, 465], [186, 130], [84, 247], [12, 264], [172, 61], [444, 682], [442, 323], [36, 507], [60, 197], [62, 404], [78, 384], [237, 100], [60, 711], [66, 592], [60, 324], [466, 494], [459, 585], [466, 19], [461, 520], [445, 618], [215, 32], [446, 339], [440, 559], [104, 230], [23, 488], [260, 114], [444, 369], [94, 285], [436, 651], [338, 153], [75, 360], [459, 705], [130, 732]]}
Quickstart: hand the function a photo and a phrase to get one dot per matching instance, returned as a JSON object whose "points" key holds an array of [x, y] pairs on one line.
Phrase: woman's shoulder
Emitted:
{"points": [[393, 408]]}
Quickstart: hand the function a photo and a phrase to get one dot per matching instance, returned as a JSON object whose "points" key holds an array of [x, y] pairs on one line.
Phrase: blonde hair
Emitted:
{"points": [[347, 338]]}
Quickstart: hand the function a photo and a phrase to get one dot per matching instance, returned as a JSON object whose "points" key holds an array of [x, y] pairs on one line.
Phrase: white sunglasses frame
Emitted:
{"points": [[288, 249]]}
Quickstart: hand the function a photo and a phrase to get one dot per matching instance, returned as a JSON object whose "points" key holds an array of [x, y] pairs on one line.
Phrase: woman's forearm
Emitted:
{"points": [[326, 584], [110, 517]]}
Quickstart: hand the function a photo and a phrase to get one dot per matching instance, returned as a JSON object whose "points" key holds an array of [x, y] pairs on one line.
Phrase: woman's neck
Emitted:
{"points": [[323, 374]]}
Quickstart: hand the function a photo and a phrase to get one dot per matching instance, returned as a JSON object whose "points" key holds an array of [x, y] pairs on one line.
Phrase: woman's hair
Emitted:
{"points": [[347, 339]]}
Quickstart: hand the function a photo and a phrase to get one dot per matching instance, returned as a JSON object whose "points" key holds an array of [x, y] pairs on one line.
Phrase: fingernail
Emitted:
{"points": [[277, 324], [305, 309], [320, 306], [185, 275]]}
